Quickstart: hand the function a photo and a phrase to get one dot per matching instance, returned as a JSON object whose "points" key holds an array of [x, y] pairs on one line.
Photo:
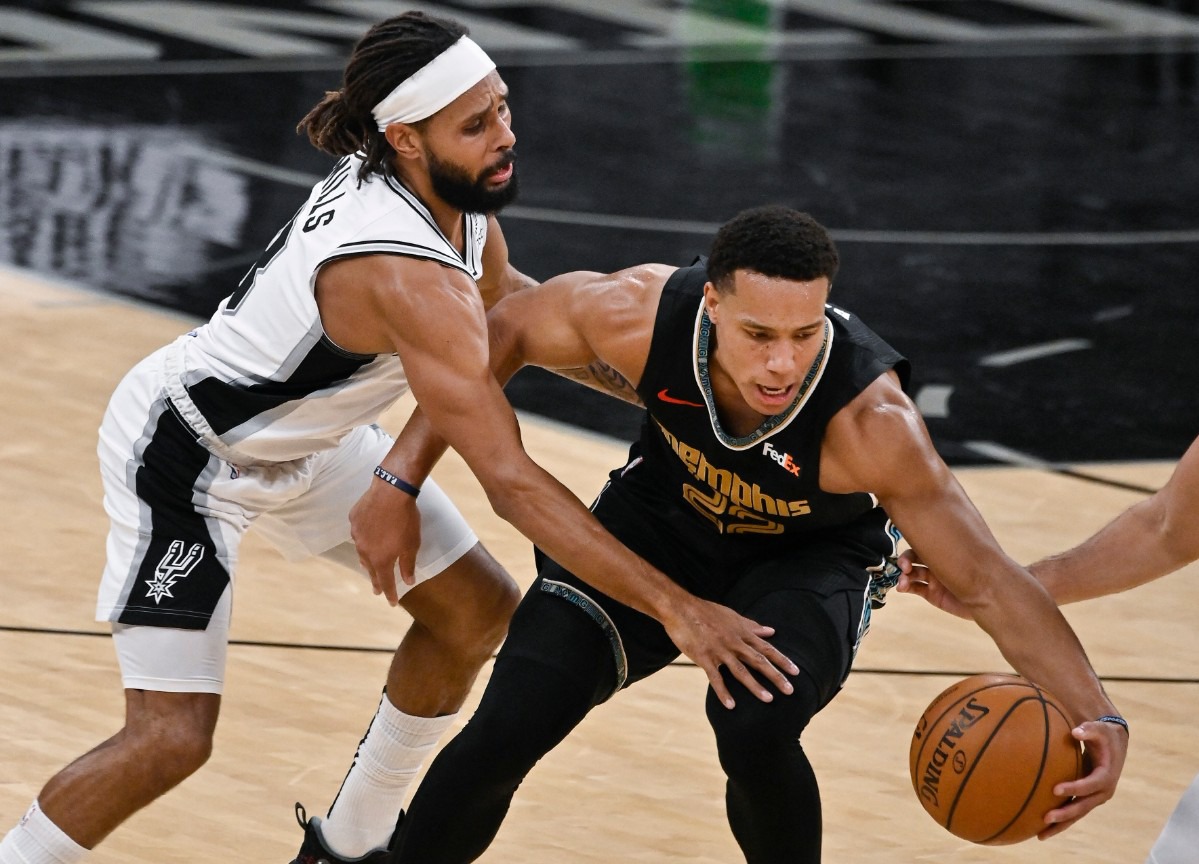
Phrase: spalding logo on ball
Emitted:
{"points": [[986, 755]]}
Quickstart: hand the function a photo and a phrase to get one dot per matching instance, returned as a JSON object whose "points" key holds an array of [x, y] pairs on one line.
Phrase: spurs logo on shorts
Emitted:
{"points": [[175, 565]]}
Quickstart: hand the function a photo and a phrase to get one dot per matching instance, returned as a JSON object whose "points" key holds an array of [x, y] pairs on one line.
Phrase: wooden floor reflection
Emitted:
{"points": [[638, 781]]}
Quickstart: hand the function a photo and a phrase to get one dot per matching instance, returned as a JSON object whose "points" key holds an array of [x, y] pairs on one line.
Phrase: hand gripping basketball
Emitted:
{"points": [[986, 755]]}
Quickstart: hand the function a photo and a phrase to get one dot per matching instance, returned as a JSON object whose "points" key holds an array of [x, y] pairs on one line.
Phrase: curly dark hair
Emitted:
{"points": [[387, 54], [775, 241]]}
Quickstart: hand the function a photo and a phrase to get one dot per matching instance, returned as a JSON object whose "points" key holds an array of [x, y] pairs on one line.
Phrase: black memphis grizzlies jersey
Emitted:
{"points": [[762, 489]]}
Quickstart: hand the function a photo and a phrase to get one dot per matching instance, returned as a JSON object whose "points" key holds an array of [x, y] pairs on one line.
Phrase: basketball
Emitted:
{"points": [[986, 755]]}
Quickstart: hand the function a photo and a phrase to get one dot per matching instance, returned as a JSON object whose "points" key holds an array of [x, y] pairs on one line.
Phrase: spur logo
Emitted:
{"points": [[175, 565]]}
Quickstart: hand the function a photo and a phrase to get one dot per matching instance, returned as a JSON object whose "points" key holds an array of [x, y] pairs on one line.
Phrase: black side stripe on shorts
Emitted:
{"points": [[178, 576]]}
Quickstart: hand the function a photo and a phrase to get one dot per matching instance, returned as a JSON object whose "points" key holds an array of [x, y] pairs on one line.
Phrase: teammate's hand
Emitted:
{"points": [[713, 636], [385, 528], [1105, 749], [916, 578]]}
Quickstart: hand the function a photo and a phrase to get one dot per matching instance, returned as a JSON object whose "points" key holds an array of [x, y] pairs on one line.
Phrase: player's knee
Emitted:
{"points": [[466, 608], [750, 749], [174, 731], [171, 748], [182, 754], [752, 733], [493, 610], [480, 622]]}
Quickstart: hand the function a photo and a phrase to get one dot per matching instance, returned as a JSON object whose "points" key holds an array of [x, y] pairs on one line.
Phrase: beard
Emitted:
{"points": [[454, 185]]}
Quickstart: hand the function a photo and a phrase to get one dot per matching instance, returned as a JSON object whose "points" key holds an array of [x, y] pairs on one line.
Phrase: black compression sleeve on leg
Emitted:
{"points": [[771, 796], [529, 706]]}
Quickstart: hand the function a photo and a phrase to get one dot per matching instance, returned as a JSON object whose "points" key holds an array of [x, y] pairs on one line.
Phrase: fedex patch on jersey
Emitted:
{"points": [[783, 459]]}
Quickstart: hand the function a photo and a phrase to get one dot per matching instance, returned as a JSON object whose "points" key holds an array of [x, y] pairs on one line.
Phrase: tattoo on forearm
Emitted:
{"points": [[600, 376]]}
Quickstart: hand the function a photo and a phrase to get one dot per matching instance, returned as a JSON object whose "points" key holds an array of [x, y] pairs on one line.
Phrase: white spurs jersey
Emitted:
{"points": [[261, 377]]}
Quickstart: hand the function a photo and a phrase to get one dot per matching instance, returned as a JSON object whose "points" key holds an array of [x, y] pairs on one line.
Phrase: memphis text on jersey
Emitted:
{"points": [[733, 505]]}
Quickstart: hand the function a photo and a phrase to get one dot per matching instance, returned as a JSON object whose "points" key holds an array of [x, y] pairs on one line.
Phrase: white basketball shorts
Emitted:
{"points": [[177, 514]]}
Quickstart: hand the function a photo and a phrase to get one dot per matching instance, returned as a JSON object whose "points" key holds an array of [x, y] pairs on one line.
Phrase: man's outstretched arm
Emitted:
{"points": [[1146, 541]]}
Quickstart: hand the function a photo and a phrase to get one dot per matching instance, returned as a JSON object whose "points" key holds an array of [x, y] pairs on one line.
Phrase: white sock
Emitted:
{"points": [[363, 816], [37, 840]]}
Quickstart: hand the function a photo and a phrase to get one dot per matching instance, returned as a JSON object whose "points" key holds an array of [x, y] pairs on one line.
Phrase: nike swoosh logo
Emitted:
{"points": [[665, 397]]}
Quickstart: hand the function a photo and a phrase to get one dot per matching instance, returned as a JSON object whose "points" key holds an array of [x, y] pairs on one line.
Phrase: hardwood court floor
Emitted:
{"points": [[638, 781]]}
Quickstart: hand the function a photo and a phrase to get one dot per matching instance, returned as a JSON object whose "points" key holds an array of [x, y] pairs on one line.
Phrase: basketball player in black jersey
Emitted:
{"points": [[776, 431]]}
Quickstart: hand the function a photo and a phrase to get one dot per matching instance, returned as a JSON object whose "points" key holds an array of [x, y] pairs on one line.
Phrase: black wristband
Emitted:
{"points": [[403, 485], [1113, 718]]}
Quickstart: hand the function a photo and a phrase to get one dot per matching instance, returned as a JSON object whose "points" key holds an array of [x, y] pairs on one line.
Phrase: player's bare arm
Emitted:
{"points": [[608, 322], [579, 320], [500, 279], [1148, 540], [450, 376], [416, 440], [386, 527], [878, 443]]}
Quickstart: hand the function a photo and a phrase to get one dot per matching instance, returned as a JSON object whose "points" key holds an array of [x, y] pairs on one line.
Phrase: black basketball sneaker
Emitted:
{"points": [[313, 851]]}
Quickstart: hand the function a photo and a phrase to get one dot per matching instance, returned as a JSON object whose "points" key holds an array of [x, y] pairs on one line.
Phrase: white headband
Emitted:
{"points": [[435, 85]]}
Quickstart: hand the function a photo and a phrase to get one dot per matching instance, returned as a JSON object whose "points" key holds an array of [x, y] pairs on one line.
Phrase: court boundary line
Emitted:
{"points": [[1007, 457], [683, 664]]}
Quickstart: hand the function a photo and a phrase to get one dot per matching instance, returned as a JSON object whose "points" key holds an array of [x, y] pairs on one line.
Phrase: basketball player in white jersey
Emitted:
{"points": [[265, 416], [1145, 542]]}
